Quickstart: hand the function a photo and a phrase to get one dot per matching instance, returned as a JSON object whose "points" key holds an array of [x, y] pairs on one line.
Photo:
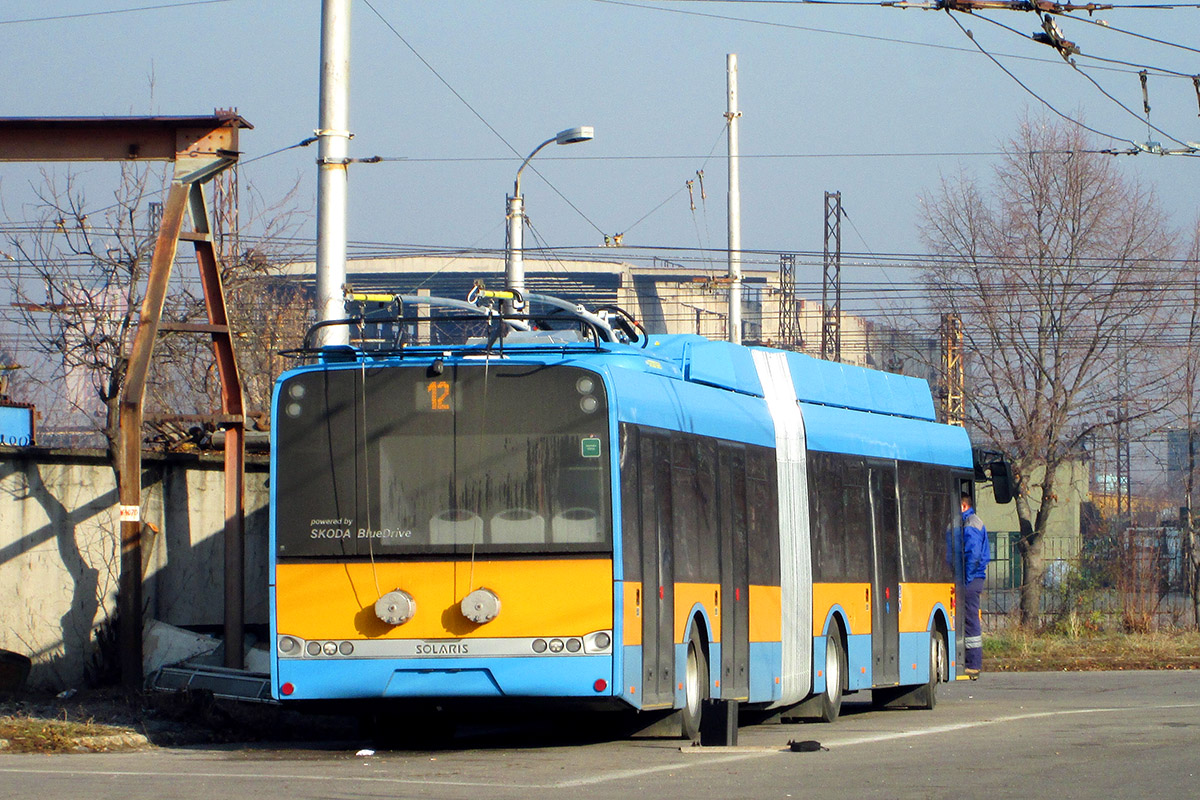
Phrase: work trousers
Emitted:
{"points": [[972, 624]]}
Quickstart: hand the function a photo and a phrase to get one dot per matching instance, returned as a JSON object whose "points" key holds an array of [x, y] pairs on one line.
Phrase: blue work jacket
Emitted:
{"points": [[976, 552]]}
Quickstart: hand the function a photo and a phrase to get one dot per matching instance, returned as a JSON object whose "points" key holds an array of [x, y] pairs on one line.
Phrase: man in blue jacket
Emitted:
{"points": [[976, 555]]}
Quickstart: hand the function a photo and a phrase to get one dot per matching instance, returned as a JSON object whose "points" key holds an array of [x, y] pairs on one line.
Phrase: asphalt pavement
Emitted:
{"points": [[1019, 735]]}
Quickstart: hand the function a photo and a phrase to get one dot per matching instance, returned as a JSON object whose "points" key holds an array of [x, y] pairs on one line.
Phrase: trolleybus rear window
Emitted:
{"points": [[405, 460]]}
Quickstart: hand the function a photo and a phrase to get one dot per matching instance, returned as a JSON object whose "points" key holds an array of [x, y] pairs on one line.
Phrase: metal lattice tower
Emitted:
{"points": [[953, 375], [791, 337], [831, 280]]}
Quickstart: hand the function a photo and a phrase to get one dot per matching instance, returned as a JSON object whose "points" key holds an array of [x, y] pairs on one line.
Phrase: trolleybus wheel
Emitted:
{"points": [[695, 684], [937, 669], [835, 663]]}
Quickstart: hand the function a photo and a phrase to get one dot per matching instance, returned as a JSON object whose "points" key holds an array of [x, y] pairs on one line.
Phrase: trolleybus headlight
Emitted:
{"points": [[293, 409], [330, 648], [539, 645], [585, 385], [288, 645], [588, 404], [297, 390], [345, 648], [314, 648], [574, 645], [556, 645]]}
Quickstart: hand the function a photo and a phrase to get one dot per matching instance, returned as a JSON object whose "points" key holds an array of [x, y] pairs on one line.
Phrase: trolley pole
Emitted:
{"points": [[333, 137], [735, 204]]}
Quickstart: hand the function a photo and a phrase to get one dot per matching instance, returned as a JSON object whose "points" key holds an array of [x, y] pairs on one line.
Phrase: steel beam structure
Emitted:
{"points": [[200, 148]]}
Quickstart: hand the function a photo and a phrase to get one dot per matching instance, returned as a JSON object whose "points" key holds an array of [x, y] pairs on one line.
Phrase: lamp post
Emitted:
{"points": [[514, 264]]}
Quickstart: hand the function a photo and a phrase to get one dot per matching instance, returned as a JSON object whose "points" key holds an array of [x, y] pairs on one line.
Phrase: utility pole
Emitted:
{"points": [[333, 137], [735, 204], [831, 280]]}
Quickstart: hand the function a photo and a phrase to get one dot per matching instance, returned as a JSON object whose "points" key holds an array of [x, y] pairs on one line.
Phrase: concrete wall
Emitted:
{"points": [[59, 564]]}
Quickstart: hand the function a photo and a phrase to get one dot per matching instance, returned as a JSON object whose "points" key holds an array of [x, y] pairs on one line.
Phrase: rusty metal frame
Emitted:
{"points": [[201, 148]]}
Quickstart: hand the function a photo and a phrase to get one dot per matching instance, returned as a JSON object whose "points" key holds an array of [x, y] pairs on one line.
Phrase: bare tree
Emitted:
{"points": [[267, 311], [1058, 270], [79, 290]]}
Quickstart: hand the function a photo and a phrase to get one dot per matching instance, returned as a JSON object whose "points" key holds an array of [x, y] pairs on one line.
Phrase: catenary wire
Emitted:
{"points": [[1163, 71], [810, 29], [1101, 89], [1108, 27], [1034, 94], [478, 116], [82, 14]]}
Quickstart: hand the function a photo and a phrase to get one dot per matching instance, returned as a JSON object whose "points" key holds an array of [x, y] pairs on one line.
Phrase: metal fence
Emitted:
{"points": [[1130, 579]]}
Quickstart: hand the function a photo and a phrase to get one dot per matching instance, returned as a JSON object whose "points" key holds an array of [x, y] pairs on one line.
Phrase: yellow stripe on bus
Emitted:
{"points": [[687, 597], [766, 616], [545, 597], [917, 601], [854, 599], [633, 612]]}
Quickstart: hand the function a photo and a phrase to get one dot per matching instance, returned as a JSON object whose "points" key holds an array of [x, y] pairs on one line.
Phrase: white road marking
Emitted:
{"points": [[883, 737]]}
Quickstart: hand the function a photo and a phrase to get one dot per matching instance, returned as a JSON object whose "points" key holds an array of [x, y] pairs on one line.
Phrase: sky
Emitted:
{"points": [[875, 102]]}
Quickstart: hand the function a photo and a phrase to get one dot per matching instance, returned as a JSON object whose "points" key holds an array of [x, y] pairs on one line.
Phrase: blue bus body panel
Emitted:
{"points": [[914, 657], [840, 430], [655, 399], [722, 364], [765, 660], [829, 383], [859, 662]]}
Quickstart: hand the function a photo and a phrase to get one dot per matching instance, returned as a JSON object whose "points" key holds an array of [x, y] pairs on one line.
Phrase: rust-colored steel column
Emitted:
{"points": [[129, 595], [232, 409]]}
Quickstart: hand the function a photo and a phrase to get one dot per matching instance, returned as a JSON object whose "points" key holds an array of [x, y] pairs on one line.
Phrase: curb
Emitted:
{"points": [[97, 744]]}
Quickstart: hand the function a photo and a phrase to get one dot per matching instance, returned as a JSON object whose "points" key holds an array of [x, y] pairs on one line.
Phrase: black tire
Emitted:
{"points": [[925, 698], [695, 686], [939, 666], [835, 675]]}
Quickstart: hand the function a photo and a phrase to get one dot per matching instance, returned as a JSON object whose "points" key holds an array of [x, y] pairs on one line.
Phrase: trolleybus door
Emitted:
{"points": [[885, 583], [658, 574], [959, 656], [735, 579]]}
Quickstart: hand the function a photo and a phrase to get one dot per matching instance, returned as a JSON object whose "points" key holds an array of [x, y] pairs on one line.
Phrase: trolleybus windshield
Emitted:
{"points": [[379, 461]]}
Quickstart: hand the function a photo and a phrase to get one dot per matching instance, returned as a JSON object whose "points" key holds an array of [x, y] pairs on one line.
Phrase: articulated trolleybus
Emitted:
{"points": [[560, 508]]}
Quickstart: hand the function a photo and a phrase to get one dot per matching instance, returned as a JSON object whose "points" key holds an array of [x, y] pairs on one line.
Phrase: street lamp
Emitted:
{"points": [[514, 264]]}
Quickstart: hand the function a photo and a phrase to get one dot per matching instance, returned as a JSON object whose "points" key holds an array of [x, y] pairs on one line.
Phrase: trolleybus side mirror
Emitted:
{"points": [[1001, 481]]}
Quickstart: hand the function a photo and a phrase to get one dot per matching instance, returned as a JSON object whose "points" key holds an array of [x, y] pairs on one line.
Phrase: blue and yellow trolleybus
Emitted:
{"points": [[563, 508]]}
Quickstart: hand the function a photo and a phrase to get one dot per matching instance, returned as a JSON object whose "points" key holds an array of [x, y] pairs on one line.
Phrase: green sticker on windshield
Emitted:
{"points": [[591, 447]]}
